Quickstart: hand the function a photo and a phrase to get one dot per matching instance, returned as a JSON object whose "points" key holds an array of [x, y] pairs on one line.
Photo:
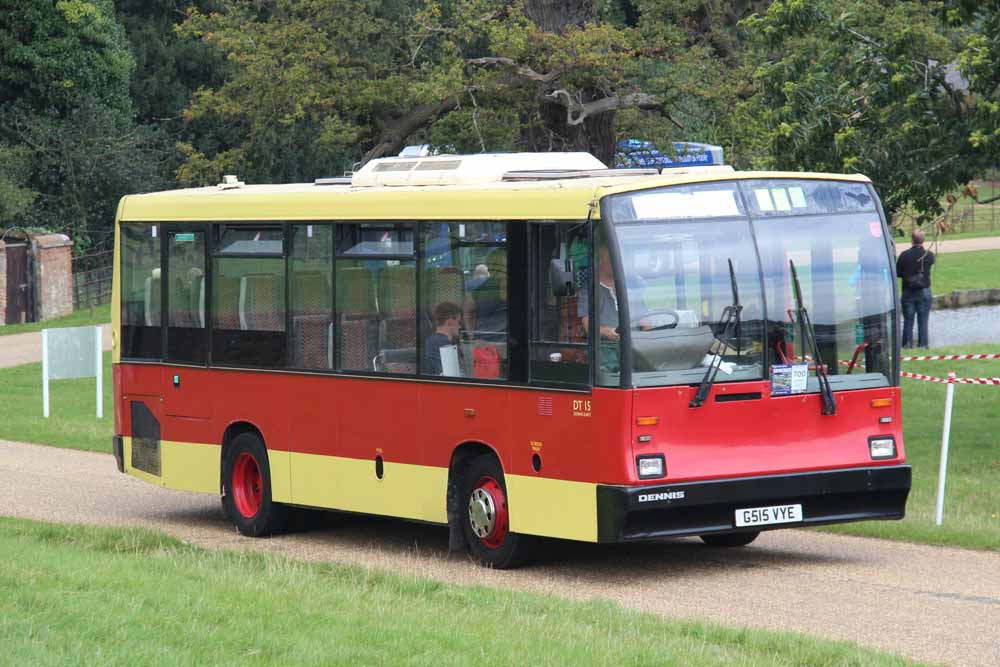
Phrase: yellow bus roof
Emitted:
{"points": [[548, 199]]}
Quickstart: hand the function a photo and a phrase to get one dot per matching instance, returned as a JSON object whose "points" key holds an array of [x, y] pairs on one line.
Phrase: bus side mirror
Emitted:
{"points": [[561, 277]]}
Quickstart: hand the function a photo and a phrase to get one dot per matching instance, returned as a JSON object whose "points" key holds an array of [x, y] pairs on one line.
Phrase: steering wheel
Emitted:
{"points": [[653, 314]]}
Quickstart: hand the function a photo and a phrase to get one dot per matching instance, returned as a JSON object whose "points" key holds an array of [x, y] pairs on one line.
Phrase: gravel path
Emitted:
{"points": [[26, 348], [955, 245], [935, 604]]}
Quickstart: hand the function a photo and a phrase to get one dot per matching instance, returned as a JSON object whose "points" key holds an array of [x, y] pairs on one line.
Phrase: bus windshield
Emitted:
{"points": [[687, 253]]}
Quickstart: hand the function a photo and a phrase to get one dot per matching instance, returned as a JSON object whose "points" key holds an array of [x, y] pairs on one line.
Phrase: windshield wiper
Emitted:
{"points": [[730, 320], [809, 338]]}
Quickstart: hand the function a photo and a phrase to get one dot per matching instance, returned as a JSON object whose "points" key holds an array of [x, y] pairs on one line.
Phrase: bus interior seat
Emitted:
{"points": [[398, 309], [357, 310], [312, 321], [200, 305], [225, 305], [442, 284], [311, 341], [151, 299], [260, 301]]}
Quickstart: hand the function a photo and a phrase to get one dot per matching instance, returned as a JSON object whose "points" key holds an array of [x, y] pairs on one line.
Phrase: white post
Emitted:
{"points": [[99, 363], [945, 437], [45, 373]]}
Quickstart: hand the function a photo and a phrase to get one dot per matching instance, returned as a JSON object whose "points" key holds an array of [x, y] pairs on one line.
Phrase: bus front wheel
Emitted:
{"points": [[246, 484], [486, 519], [730, 539]]}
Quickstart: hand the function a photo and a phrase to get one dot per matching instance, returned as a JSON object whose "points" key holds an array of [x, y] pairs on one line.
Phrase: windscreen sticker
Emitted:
{"points": [[781, 199], [787, 379], [764, 202], [798, 197], [876, 229]]}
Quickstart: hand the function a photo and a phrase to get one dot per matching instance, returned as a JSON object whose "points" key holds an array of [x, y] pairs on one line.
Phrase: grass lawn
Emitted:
{"points": [[80, 595], [966, 270], [72, 418], [972, 495], [82, 317]]}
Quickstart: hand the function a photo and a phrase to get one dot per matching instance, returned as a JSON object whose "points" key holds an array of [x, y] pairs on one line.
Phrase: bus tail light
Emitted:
{"points": [[647, 421], [881, 402], [882, 448], [650, 467]]}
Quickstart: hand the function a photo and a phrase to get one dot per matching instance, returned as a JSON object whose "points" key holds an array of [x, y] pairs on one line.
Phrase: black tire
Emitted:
{"points": [[498, 548], [246, 488], [730, 539]]}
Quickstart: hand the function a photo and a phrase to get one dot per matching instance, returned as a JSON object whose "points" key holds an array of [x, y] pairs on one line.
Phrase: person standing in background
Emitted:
{"points": [[913, 267]]}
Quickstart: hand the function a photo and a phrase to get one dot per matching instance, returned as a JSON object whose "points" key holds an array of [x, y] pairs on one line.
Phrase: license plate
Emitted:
{"points": [[762, 516]]}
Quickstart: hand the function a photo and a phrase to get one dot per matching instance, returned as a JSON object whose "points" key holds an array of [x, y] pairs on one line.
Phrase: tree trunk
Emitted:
{"points": [[596, 133], [557, 15]]}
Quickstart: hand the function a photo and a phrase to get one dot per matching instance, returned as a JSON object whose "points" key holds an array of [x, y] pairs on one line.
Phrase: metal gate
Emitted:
{"points": [[17, 283]]}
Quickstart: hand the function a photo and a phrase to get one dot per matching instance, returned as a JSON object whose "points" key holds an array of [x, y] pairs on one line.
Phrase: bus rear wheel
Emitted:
{"points": [[486, 519], [730, 539], [246, 484]]}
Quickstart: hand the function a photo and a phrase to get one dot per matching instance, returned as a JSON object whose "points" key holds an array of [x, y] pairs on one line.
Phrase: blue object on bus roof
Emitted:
{"points": [[633, 153]]}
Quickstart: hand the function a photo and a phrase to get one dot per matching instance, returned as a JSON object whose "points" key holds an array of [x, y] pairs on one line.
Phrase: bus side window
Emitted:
{"points": [[560, 293], [140, 291], [248, 297], [187, 337], [310, 276], [464, 297], [376, 298]]}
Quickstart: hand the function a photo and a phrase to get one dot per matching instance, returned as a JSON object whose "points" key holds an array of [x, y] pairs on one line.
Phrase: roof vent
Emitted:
{"points": [[334, 180], [230, 182], [468, 169]]}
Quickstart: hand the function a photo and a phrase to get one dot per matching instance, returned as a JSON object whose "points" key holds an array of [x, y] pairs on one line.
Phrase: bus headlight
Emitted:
{"points": [[882, 448], [650, 467]]}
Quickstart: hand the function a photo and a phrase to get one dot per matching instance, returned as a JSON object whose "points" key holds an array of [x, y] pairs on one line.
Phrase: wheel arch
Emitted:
{"points": [[461, 456], [235, 429]]}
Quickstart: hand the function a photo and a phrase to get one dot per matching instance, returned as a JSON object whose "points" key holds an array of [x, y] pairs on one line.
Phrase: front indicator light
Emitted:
{"points": [[882, 448], [650, 467]]}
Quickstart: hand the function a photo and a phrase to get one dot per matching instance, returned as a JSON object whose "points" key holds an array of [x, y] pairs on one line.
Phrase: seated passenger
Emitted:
{"points": [[448, 320], [485, 308]]}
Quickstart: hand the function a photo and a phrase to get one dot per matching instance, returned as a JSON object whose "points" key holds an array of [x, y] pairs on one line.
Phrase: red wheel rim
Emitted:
{"points": [[488, 512], [248, 486]]}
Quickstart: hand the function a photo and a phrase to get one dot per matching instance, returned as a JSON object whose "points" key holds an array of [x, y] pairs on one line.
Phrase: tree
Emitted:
{"points": [[869, 87], [316, 85], [68, 141], [55, 54]]}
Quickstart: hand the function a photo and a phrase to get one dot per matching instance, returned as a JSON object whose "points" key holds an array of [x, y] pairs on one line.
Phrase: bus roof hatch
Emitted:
{"points": [[467, 169]]}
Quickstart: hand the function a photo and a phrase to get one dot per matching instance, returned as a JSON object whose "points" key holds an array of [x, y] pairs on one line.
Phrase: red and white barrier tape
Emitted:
{"points": [[931, 378], [951, 357]]}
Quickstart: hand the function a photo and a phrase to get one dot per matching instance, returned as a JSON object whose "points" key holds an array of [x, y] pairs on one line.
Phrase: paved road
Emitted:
{"points": [[955, 245], [935, 604], [25, 348]]}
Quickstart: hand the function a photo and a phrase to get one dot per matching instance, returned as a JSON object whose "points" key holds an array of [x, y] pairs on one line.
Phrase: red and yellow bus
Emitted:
{"points": [[516, 346]]}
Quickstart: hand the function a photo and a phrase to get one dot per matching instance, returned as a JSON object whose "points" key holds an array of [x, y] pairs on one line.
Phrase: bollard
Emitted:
{"points": [[945, 437]]}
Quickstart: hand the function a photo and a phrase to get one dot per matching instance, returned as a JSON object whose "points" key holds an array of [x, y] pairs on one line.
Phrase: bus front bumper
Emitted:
{"points": [[627, 513]]}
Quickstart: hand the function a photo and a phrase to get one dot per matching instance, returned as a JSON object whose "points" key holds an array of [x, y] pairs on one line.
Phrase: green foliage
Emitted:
{"points": [[315, 86], [69, 144], [80, 165], [863, 87], [15, 195], [53, 55], [169, 67]]}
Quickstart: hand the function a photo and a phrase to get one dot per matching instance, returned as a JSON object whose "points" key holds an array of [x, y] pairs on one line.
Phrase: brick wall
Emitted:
{"points": [[53, 255]]}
